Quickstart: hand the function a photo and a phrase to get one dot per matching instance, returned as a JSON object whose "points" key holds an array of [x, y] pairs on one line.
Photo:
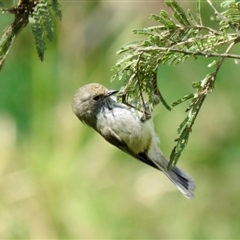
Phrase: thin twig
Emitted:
{"points": [[198, 53], [146, 114], [221, 16]]}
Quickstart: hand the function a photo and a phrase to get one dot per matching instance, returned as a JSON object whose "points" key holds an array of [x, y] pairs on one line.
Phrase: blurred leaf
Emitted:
{"points": [[38, 14], [56, 8], [41, 24]]}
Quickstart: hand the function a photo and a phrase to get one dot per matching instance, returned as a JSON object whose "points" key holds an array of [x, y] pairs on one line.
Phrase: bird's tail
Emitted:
{"points": [[182, 180]]}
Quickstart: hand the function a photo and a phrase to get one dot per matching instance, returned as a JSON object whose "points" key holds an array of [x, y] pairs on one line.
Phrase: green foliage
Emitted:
{"points": [[56, 9], [41, 24], [37, 13], [60, 180], [5, 44], [231, 15], [175, 39]]}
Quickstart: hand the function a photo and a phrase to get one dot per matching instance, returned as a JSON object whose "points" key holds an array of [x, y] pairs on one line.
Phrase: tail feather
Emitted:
{"points": [[183, 182]]}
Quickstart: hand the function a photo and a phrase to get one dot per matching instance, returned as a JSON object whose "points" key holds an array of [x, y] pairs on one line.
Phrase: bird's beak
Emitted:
{"points": [[111, 92]]}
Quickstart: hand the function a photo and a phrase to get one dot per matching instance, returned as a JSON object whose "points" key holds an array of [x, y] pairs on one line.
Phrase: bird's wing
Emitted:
{"points": [[115, 140]]}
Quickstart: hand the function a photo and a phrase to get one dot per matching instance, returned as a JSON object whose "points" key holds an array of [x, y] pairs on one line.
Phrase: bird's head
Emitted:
{"points": [[88, 100]]}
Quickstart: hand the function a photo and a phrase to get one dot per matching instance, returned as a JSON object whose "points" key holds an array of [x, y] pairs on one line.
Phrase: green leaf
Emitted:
{"points": [[179, 148], [191, 18], [42, 25], [56, 8], [183, 99], [179, 13], [196, 84], [164, 19], [38, 33], [182, 125], [225, 4], [198, 12]]}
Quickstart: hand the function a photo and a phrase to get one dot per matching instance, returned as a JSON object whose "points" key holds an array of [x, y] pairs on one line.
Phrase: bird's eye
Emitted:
{"points": [[96, 98]]}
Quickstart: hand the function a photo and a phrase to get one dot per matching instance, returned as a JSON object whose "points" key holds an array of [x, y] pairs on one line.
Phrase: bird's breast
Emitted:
{"points": [[126, 124]]}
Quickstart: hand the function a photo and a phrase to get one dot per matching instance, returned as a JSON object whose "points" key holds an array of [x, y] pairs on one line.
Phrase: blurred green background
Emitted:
{"points": [[60, 179]]}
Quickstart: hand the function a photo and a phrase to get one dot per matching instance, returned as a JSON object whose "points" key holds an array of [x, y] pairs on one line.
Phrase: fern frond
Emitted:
{"points": [[56, 8], [37, 13], [41, 24], [38, 33]]}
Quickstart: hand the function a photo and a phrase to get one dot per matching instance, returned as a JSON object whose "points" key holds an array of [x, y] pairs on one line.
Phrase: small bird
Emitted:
{"points": [[123, 127]]}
